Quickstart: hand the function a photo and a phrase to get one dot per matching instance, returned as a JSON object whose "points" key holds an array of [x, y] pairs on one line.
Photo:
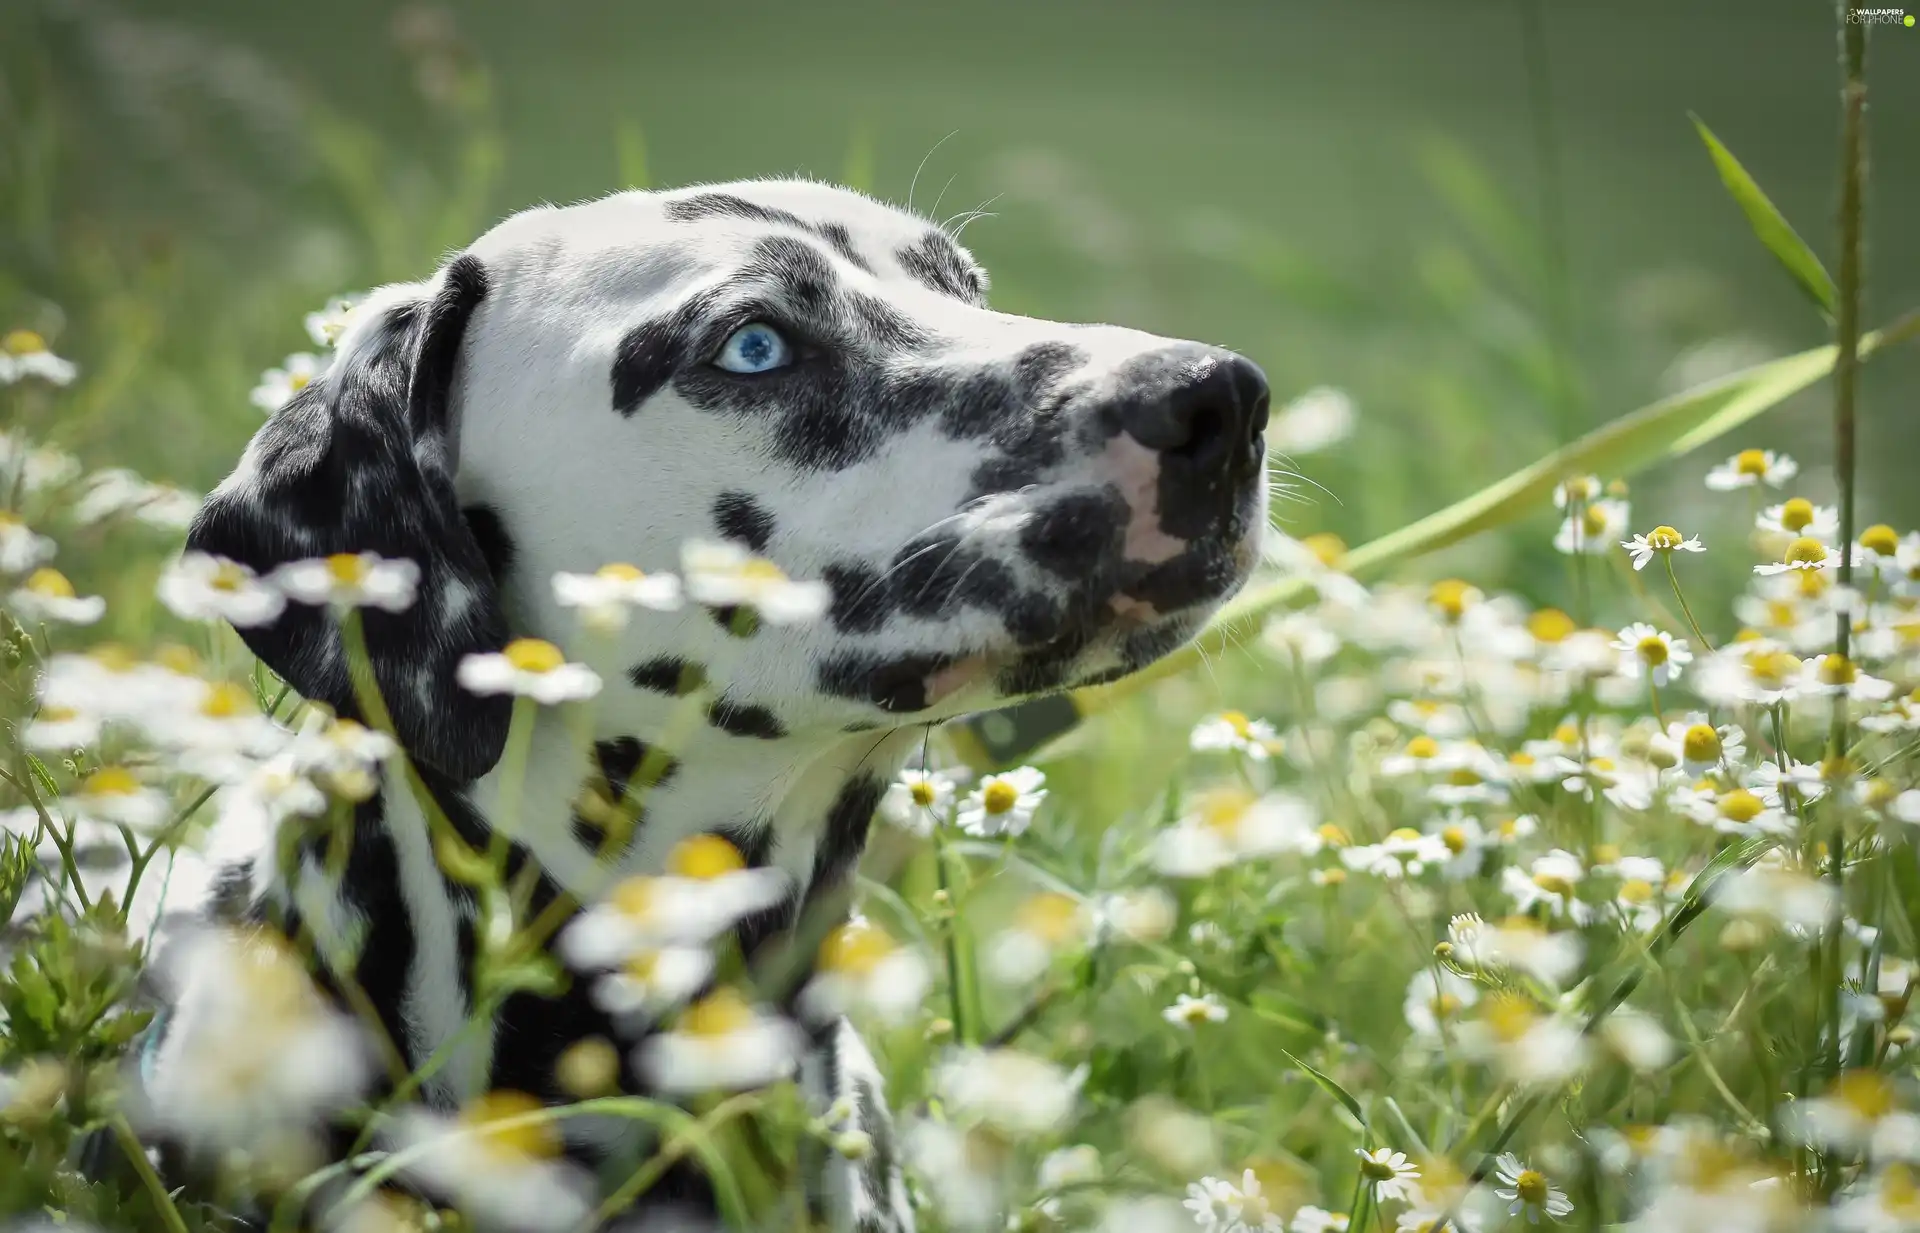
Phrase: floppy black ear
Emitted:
{"points": [[361, 460]]}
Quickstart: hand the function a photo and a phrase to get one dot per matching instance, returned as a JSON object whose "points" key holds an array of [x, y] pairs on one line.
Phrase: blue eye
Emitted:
{"points": [[754, 348]]}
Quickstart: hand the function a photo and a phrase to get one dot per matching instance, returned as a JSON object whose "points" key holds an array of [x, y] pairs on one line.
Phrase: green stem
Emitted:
{"points": [[137, 1157], [1692, 624], [955, 1000], [1846, 377]]}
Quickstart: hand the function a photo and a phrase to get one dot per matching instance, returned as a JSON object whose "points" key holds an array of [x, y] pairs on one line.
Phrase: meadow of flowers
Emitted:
{"points": [[1399, 906]]}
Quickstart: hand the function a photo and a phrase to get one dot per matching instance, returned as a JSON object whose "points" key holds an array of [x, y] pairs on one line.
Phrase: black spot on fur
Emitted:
{"points": [[895, 685], [745, 719], [937, 262], [1074, 535], [800, 272], [668, 674], [611, 807], [490, 533], [462, 288], [726, 205], [742, 518], [647, 358], [860, 598], [844, 836], [841, 240]]}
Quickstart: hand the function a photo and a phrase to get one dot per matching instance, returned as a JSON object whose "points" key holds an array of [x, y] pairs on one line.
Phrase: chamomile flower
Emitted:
{"points": [[1801, 554], [116, 795], [60, 728], [1661, 541], [1311, 1219], [1738, 811], [1797, 517], [351, 580], [1222, 1206], [607, 595], [1700, 746], [20, 547], [708, 887], [1434, 1001], [48, 596], [1528, 1192], [1228, 824], [499, 1160], [35, 468], [1233, 730], [528, 668], [24, 354], [1887, 1202], [1652, 653], [1593, 528], [1749, 468], [1392, 1177], [720, 1043], [862, 969], [1015, 1093], [918, 801], [1859, 1115], [1528, 1046], [650, 982], [200, 587], [1044, 926], [1003, 804], [1778, 893], [1578, 490], [253, 1057], [725, 574], [326, 326], [1757, 674], [1551, 883], [1317, 419], [278, 386], [1190, 1012], [1836, 676]]}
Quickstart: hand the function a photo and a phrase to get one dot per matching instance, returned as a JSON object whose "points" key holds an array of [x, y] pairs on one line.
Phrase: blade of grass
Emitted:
{"points": [[1769, 224]]}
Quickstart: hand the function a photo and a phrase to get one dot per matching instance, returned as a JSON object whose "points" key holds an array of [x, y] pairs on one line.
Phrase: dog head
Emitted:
{"points": [[1000, 505]]}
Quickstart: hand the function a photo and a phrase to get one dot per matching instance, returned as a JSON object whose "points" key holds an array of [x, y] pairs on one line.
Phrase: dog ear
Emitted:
{"points": [[362, 460]]}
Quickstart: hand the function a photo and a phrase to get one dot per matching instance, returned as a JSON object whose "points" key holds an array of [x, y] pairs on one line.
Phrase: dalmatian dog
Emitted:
{"points": [[1000, 506]]}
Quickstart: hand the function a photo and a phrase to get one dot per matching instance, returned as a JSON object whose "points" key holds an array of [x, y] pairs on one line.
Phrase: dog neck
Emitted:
{"points": [[801, 803]]}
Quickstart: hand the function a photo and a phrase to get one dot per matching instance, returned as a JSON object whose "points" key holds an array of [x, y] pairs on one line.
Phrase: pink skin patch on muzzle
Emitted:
{"points": [[1135, 470]]}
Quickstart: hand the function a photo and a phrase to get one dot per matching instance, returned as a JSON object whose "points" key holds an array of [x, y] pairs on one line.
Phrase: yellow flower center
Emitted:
{"points": [[228, 577], [1813, 584], [1865, 1093], [1797, 515], [533, 655], [855, 949], [534, 1140], [1593, 521], [1508, 1016], [720, 1013], [620, 571], [1700, 743], [634, 897], [1740, 806], [1837, 670], [1899, 1193], [1581, 488], [1770, 669], [704, 857], [1463, 777], [176, 658], [1405, 834], [1805, 551], [1444, 1005], [1664, 538], [51, 583], [1781, 613], [1882, 539], [999, 796], [1453, 597], [759, 569], [1050, 916], [348, 569], [1331, 877], [1333, 836], [297, 381], [1605, 853], [1652, 649], [114, 657], [225, 701], [1550, 625], [1531, 1186], [1236, 720], [1751, 462], [922, 793], [1327, 548], [1521, 758], [1455, 837], [22, 342], [1636, 890], [1554, 884], [1221, 809], [111, 781], [1377, 1170], [1423, 748], [1195, 1012]]}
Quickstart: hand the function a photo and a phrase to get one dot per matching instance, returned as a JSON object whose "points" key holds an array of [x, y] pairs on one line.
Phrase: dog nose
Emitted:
{"points": [[1210, 412]]}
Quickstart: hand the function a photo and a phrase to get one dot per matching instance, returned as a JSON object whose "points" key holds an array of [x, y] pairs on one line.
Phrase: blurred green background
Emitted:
{"points": [[1490, 221]]}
